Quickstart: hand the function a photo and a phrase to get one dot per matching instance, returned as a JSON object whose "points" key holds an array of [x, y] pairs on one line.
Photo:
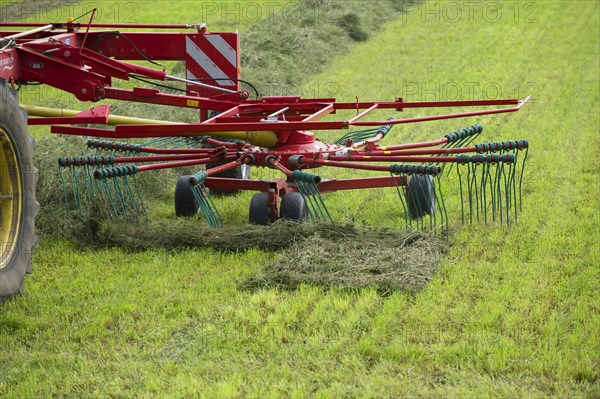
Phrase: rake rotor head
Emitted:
{"points": [[487, 176]]}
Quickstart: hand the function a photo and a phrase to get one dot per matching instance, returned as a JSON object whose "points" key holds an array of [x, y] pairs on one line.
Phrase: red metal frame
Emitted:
{"points": [[284, 186], [257, 111], [83, 59]]}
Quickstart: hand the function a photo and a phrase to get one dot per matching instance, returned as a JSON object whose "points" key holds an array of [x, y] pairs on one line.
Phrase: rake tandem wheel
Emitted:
{"points": [[260, 212], [185, 202], [18, 205], [294, 207]]}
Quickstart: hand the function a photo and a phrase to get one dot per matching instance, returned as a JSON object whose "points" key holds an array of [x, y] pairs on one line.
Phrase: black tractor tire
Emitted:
{"points": [[18, 204], [185, 201], [294, 207], [240, 172], [420, 196], [259, 209]]}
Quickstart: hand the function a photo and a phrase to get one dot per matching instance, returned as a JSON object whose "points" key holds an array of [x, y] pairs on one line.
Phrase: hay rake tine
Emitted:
{"points": [[440, 199], [407, 219], [522, 174]]}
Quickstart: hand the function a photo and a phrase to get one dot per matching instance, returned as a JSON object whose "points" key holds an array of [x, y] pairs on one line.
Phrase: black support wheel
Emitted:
{"points": [[420, 196], [185, 201], [294, 207], [18, 205], [260, 213]]}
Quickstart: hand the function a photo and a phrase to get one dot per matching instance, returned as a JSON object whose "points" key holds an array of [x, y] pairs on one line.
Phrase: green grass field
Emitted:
{"points": [[512, 312]]}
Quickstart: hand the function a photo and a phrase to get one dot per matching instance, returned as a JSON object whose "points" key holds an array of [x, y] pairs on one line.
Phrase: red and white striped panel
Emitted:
{"points": [[214, 59]]}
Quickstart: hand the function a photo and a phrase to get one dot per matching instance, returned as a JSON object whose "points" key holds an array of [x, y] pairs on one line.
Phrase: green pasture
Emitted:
{"points": [[511, 311]]}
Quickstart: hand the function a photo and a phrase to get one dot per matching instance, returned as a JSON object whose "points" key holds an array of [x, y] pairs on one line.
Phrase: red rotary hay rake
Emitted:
{"points": [[233, 133]]}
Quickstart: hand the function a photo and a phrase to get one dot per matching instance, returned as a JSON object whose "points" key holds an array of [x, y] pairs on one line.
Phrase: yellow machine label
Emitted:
{"points": [[193, 103]]}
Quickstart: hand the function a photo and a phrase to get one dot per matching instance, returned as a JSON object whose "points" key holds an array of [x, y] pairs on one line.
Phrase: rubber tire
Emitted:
{"points": [[241, 172], [420, 196], [259, 209], [294, 207], [185, 201], [13, 119]]}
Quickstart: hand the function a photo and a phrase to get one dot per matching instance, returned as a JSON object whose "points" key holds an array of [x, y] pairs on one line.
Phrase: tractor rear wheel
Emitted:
{"points": [[293, 207], [185, 201], [420, 196], [18, 205]]}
